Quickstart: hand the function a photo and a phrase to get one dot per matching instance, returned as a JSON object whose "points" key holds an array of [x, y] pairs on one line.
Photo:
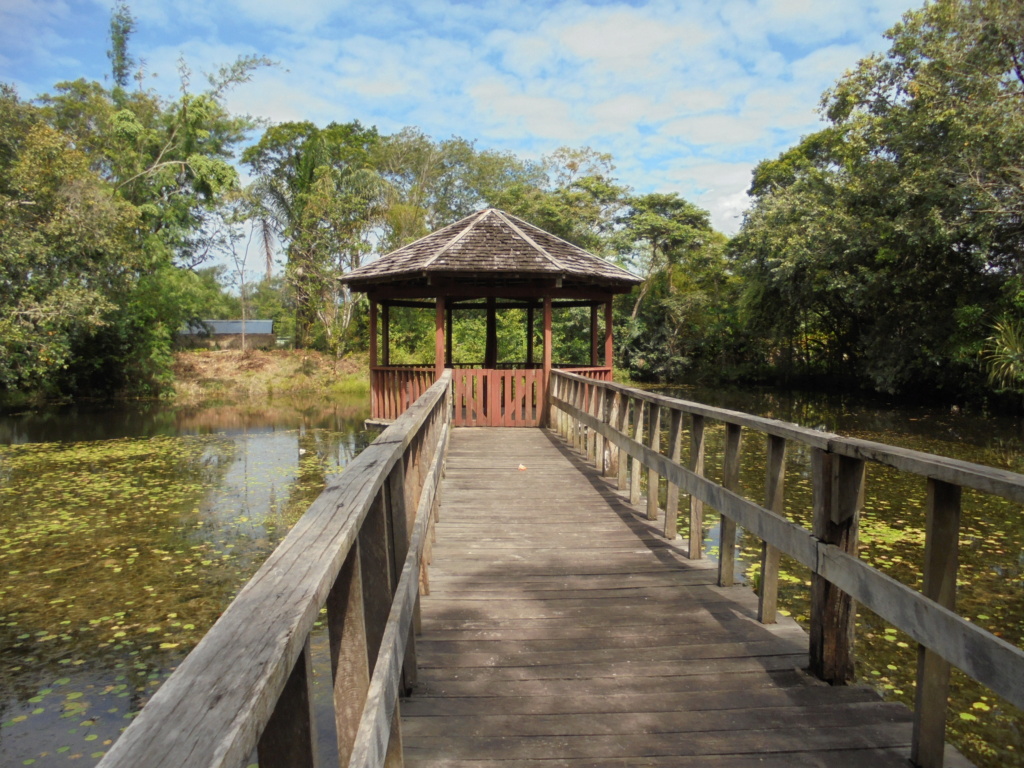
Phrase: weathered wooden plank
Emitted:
{"points": [[942, 541], [727, 526]]}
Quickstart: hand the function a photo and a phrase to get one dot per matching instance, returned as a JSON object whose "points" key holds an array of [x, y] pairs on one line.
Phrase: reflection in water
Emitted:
{"points": [[123, 535]]}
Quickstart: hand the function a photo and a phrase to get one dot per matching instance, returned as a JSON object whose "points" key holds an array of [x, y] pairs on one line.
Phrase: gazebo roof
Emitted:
{"points": [[491, 246]]}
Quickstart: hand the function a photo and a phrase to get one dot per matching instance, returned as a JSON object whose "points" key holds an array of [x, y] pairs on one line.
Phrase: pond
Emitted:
{"points": [[124, 532]]}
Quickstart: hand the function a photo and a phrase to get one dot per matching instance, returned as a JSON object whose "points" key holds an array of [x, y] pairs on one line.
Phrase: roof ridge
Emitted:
{"points": [[447, 246], [585, 252], [543, 251]]}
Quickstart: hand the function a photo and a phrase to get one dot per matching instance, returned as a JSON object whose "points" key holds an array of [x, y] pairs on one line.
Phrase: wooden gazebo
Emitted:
{"points": [[488, 261]]}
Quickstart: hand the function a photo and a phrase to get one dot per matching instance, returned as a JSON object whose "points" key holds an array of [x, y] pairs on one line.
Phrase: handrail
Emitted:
{"points": [[247, 685], [595, 416]]}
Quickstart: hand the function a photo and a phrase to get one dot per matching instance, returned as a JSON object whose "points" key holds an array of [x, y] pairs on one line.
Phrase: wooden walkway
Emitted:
{"points": [[562, 630]]}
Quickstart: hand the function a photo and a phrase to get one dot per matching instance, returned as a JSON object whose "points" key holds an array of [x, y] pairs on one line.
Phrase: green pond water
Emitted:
{"points": [[125, 532]]}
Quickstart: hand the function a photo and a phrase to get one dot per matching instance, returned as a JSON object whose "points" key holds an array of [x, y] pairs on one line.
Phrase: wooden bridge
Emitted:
{"points": [[519, 597]]}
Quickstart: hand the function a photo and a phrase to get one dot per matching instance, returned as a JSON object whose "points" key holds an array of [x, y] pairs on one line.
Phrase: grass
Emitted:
{"points": [[233, 376]]}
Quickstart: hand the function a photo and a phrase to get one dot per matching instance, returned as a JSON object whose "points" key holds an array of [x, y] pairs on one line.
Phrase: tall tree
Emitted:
{"points": [[886, 239], [122, 24], [317, 193]]}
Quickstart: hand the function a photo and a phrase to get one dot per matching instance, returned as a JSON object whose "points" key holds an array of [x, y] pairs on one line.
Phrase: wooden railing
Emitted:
{"points": [[358, 552], [621, 430], [396, 387]]}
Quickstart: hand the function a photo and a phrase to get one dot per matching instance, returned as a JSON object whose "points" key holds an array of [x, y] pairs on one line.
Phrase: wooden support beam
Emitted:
{"points": [[727, 526], [838, 487], [593, 335], [529, 335], [609, 349], [675, 438], [439, 337], [491, 344], [448, 323], [289, 739], [696, 548], [350, 666], [386, 335], [653, 479], [373, 335], [638, 437], [768, 594], [941, 560]]}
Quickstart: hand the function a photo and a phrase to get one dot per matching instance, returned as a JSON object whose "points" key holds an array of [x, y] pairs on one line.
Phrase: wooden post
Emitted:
{"points": [[768, 595], [350, 666], [622, 425], [613, 422], [439, 338], [675, 436], [598, 412], [838, 498], [696, 548], [609, 360], [386, 334], [400, 532], [942, 541], [448, 322], [727, 526], [654, 443], [491, 344], [529, 336], [593, 335], [373, 335], [638, 436], [289, 740], [546, 384]]}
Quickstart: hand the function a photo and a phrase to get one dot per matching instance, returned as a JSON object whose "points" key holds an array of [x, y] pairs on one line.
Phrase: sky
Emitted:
{"points": [[686, 96]]}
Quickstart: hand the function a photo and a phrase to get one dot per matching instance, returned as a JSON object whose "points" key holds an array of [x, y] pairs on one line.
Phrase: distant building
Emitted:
{"points": [[227, 334]]}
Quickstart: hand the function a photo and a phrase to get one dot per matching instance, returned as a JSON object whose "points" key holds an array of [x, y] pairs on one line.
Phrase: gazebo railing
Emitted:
{"points": [[510, 395]]}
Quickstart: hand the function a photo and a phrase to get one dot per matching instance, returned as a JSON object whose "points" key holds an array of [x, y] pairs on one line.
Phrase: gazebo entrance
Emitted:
{"points": [[489, 261]]}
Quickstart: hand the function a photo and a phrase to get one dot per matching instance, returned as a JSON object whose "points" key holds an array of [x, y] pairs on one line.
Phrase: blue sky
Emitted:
{"points": [[687, 96]]}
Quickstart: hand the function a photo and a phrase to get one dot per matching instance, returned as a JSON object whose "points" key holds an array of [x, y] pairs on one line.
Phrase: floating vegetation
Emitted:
{"points": [[116, 556]]}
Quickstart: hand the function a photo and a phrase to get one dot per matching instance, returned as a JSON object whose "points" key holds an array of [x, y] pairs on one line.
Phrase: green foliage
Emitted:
{"points": [[876, 248], [107, 200]]}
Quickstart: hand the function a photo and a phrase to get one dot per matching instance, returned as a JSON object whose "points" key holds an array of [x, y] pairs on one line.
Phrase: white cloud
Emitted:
{"points": [[687, 96]]}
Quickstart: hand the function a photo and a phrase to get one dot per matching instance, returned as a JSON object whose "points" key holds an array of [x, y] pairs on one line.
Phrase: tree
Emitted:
{"points": [[317, 192], [881, 244], [122, 24]]}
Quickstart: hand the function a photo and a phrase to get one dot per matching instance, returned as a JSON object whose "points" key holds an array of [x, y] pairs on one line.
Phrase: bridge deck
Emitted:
{"points": [[561, 628]]}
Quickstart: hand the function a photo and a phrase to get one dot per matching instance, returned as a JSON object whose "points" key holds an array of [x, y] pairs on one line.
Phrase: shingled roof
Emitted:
{"points": [[491, 245]]}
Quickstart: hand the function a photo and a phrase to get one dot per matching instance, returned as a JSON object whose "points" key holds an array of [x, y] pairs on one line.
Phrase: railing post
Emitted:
{"points": [[942, 539], [350, 665], [600, 412], [613, 422], [622, 426], [696, 548], [727, 526], [838, 486], [675, 431], [638, 436], [653, 479], [289, 739], [592, 397], [768, 595], [399, 504]]}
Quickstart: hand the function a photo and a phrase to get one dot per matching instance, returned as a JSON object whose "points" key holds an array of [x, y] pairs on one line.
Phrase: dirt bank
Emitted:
{"points": [[202, 376]]}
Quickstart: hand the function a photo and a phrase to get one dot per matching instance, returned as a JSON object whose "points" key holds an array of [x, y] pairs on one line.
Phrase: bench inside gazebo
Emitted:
{"points": [[488, 261]]}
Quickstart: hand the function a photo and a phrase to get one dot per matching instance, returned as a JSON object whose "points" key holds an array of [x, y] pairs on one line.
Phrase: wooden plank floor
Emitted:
{"points": [[562, 630]]}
